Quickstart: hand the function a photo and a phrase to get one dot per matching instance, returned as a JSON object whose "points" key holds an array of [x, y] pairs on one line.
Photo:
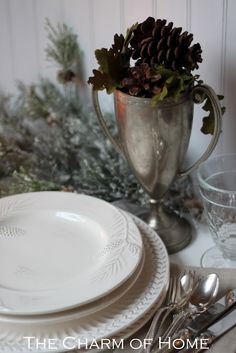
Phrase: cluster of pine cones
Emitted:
{"points": [[154, 42], [142, 82]]}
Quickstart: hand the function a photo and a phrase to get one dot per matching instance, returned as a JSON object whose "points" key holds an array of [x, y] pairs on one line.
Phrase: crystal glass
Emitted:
{"points": [[217, 181]]}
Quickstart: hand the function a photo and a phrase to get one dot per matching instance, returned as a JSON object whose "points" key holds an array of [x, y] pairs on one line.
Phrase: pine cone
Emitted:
{"points": [[142, 82], [155, 42]]}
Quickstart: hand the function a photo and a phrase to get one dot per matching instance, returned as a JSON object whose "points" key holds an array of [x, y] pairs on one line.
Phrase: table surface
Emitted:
{"points": [[191, 255]]}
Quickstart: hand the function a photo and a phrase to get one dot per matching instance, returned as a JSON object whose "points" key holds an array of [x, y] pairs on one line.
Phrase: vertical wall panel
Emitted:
{"points": [[136, 11], [53, 10], [206, 25], [106, 22], [6, 49], [229, 121], [22, 30], [77, 15], [172, 10], [106, 15]]}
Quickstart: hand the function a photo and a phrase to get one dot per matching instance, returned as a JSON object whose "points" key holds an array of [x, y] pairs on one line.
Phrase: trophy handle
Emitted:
{"points": [[199, 94], [114, 139]]}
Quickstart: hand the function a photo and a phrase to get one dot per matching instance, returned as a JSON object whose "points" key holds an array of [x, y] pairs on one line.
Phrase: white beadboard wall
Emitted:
{"points": [[23, 40]]}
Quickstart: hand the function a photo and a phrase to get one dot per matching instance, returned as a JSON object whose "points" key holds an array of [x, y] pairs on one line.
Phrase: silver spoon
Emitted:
{"points": [[188, 283], [200, 296], [204, 293]]}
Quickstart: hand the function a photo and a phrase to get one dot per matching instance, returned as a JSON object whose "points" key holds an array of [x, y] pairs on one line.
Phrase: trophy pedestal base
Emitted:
{"points": [[175, 232]]}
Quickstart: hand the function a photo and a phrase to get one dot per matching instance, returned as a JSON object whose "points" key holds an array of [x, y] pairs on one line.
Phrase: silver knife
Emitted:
{"points": [[214, 332], [198, 325], [215, 311]]}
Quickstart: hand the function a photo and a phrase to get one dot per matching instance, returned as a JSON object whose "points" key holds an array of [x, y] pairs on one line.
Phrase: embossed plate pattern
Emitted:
{"points": [[61, 250], [119, 320]]}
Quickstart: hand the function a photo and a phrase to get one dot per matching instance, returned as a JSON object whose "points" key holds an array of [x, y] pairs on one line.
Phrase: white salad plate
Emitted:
{"points": [[62, 250], [119, 320]]}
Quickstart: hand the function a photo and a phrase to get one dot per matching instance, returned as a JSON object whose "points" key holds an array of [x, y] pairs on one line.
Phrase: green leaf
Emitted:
{"points": [[98, 80], [113, 65], [207, 105], [129, 34], [174, 83], [208, 122], [101, 81], [160, 96], [165, 73], [171, 80], [118, 43]]}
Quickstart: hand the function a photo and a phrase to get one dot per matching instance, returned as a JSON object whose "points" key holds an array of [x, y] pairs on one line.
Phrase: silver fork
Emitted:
{"points": [[163, 313], [175, 301], [181, 317], [168, 300]]}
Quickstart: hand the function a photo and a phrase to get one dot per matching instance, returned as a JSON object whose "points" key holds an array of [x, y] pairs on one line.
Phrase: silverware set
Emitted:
{"points": [[191, 318]]}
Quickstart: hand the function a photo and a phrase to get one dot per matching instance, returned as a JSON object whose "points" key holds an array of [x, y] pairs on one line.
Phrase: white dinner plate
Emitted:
{"points": [[61, 250], [118, 320], [83, 310]]}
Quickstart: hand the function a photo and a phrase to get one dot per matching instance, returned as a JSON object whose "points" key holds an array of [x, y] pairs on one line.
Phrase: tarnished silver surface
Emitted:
{"points": [[154, 140]]}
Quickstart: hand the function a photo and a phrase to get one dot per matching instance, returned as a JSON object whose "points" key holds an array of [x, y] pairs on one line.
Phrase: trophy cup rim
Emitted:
{"points": [[124, 97]]}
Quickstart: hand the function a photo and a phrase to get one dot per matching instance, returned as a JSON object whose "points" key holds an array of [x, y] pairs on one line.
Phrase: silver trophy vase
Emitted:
{"points": [[154, 140]]}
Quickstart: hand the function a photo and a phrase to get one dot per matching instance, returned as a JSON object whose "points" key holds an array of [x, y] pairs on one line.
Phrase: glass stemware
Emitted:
{"points": [[217, 181]]}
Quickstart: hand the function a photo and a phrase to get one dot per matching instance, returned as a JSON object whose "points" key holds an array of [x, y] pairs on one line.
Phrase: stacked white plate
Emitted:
{"points": [[74, 269]]}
